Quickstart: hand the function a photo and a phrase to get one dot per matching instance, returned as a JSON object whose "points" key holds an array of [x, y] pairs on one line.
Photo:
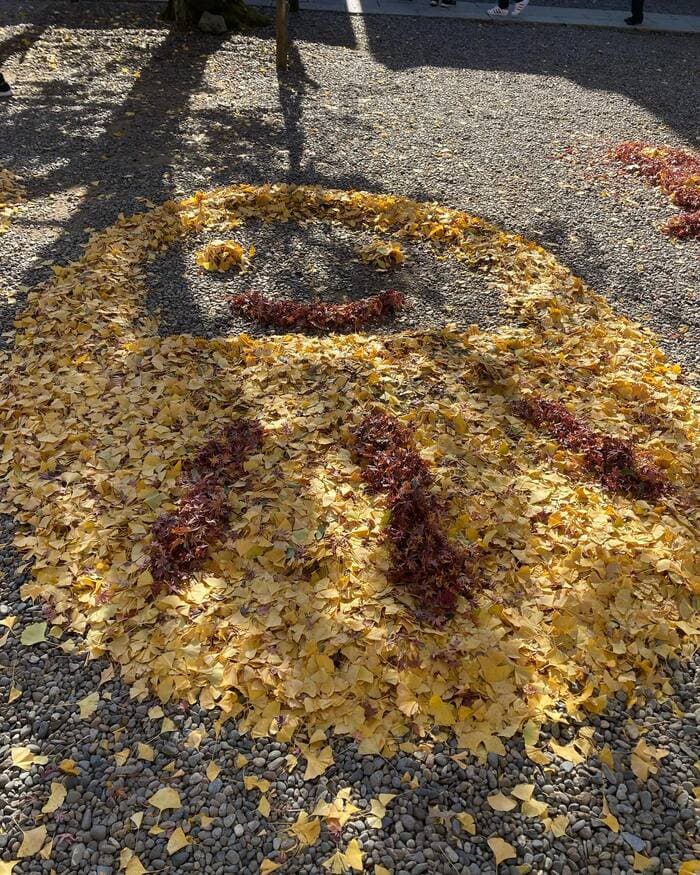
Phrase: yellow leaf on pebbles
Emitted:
{"points": [[34, 634], [306, 829], [166, 797], [88, 705], [70, 767], [467, 822], [251, 782], [645, 759], [641, 863], [264, 806], [378, 809], [24, 759], [13, 695], [523, 791], [56, 797], [501, 849], [566, 752], [7, 867], [145, 752], [213, 771], [353, 856], [177, 841], [32, 842], [609, 819], [499, 802], [268, 866], [317, 761], [533, 808]]}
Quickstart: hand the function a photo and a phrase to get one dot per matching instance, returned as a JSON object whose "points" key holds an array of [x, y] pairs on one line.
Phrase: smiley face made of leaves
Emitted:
{"points": [[291, 622]]}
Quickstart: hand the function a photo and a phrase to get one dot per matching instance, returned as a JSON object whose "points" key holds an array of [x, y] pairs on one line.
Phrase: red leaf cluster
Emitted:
{"points": [[614, 461], [181, 539], [287, 314], [424, 561], [674, 171]]}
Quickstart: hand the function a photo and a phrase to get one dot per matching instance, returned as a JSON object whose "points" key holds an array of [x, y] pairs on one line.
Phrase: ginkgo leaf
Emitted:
{"points": [[166, 797], [566, 752], [467, 822], [380, 870], [533, 808], [317, 761], [268, 866], [24, 759], [56, 797], [353, 856], [213, 771], [195, 738], [306, 829], [33, 634], [642, 863], [32, 842], [70, 767], [609, 819], [121, 756], [378, 809], [137, 819], [606, 757], [241, 761], [155, 712], [6, 867], [13, 695], [252, 782], [689, 867], [145, 752], [135, 867], [264, 806], [523, 791], [501, 849], [88, 705], [442, 711], [177, 841], [336, 863], [557, 825], [499, 802]]}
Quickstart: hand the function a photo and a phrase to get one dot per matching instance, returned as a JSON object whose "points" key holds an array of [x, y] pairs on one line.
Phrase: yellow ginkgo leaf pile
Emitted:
{"points": [[292, 625], [11, 195], [383, 254], [223, 255]]}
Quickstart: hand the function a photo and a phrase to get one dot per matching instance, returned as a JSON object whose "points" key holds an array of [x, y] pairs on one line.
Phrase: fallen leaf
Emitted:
{"points": [[502, 850], [135, 867], [145, 752], [268, 866], [264, 806], [557, 825], [6, 867], [378, 809], [353, 856], [609, 819], [56, 797], [251, 782], [121, 756], [606, 757], [13, 695], [641, 863], [137, 819], [566, 752], [533, 808], [499, 802], [34, 634], [164, 798], [380, 870], [88, 705], [177, 841], [24, 759], [70, 767], [32, 842], [213, 771], [241, 761], [523, 791], [467, 822], [689, 867], [317, 761], [306, 829]]}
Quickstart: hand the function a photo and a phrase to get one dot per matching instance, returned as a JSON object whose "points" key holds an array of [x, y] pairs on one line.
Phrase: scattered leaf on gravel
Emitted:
{"points": [[306, 829], [268, 866], [557, 825], [353, 856], [70, 767], [264, 806], [317, 761], [689, 867], [213, 771], [13, 695], [166, 797], [566, 752], [121, 756], [145, 752], [606, 757], [378, 809], [88, 705], [533, 808], [502, 850], [34, 634], [252, 782], [645, 759], [177, 841], [608, 818], [6, 867], [467, 822], [24, 759], [32, 842], [523, 791], [56, 797], [499, 802]]}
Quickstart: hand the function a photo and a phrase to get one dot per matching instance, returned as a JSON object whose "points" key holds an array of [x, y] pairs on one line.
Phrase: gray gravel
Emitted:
{"points": [[424, 108]]}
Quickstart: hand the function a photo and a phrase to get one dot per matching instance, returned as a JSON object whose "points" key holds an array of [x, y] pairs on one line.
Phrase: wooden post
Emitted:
{"points": [[282, 34]]}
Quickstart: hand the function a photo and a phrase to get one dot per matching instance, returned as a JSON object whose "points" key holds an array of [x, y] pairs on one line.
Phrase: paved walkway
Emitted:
{"points": [[610, 18]]}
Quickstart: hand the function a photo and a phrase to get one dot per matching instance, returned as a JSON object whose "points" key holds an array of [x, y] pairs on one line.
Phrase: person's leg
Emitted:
{"points": [[500, 10], [637, 16]]}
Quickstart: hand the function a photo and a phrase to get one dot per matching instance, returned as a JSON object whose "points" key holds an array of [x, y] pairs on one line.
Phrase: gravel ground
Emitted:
{"points": [[427, 109]]}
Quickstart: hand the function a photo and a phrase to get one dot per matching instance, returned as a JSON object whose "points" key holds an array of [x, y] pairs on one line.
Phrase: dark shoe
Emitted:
{"points": [[5, 90], [632, 21]]}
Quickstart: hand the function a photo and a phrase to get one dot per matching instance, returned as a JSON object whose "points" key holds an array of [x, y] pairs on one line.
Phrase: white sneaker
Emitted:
{"points": [[497, 12], [520, 7]]}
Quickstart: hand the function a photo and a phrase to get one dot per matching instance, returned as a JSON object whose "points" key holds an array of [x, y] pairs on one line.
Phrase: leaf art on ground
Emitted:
{"points": [[676, 172], [288, 314], [291, 617]]}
